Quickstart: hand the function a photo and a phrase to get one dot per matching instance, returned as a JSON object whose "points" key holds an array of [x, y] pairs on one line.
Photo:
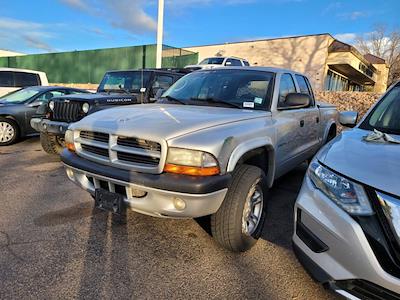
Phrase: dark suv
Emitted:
{"points": [[116, 88]]}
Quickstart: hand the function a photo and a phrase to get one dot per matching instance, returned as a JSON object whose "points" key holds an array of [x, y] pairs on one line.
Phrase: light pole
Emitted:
{"points": [[160, 29]]}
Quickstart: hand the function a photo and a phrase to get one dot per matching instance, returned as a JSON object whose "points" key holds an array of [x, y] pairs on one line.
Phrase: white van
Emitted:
{"points": [[14, 79]]}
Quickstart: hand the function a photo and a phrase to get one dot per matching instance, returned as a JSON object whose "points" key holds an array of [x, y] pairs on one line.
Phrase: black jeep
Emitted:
{"points": [[116, 88]]}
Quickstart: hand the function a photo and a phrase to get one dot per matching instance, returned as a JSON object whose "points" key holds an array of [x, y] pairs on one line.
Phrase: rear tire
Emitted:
{"points": [[52, 144], [239, 221], [9, 131]]}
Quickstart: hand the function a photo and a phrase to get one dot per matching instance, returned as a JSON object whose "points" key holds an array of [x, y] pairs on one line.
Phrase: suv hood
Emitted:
{"points": [[99, 97], [373, 164], [162, 121]]}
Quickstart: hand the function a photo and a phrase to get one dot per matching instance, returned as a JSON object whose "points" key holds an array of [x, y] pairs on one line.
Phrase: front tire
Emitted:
{"points": [[9, 131], [52, 144], [238, 223]]}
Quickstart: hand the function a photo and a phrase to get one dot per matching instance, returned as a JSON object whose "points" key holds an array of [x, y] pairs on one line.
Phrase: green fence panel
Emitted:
{"points": [[89, 66]]}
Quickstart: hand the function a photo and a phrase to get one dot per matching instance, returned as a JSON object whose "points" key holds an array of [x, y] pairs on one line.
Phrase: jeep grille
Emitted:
{"points": [[123, 152], [67, 111]]}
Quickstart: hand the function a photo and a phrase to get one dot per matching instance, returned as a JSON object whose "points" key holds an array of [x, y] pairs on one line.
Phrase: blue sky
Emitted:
{"points": [[63, 25]]}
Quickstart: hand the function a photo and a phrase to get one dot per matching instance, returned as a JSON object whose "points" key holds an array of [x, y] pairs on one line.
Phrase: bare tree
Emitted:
{"points": [[383, 43]]}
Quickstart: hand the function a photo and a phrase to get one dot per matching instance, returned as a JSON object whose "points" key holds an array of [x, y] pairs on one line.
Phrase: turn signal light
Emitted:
{"points": [[195, 171], [70, 146]]}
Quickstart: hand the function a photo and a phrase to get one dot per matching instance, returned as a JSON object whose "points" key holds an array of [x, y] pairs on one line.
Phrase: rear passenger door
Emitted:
{"points": [[290, 132], [311, 119]]}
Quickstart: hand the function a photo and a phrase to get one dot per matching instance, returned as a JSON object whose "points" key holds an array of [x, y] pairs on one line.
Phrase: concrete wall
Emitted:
{"points": [[382, 78], [305, 54]]}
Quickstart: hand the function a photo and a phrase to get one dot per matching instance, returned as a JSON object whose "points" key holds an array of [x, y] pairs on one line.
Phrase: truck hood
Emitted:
{"points": [[162, 121], [373, 164], [99, 97]]}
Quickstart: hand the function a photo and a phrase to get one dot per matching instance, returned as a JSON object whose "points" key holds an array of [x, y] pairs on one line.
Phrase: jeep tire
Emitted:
{"points": [[52, 144], [239, 221]]}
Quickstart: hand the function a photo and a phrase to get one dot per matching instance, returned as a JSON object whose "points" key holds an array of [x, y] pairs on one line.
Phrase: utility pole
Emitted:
{"points": [[160, 29]]}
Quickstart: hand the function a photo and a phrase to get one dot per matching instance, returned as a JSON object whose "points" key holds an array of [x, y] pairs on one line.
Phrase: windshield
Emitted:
{"points": [[20, 95], [212, 61], [385, 116], [124, 81], [238, 88]]}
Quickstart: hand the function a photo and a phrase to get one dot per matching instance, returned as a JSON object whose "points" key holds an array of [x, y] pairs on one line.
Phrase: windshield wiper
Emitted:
{"points": [[213, 100], [124, 90], [169, 98]]}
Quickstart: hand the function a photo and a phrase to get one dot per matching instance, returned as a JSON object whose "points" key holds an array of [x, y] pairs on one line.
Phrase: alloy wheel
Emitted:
{"points": [[253, 209]]}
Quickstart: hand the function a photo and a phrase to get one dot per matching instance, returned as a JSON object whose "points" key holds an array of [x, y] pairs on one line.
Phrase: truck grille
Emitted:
{"points": [[124, 152], [67, 111]]}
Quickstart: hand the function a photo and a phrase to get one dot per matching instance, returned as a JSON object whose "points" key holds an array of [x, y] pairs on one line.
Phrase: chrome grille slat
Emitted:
{"points": [[123, 152], [136, 151]]}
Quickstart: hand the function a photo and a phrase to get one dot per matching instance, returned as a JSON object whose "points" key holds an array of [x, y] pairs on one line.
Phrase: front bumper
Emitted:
{"points": [[48, 126], [150, 194], [347, 255]]}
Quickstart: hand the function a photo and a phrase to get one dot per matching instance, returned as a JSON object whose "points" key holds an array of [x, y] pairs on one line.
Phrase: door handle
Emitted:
{"points": [[302, 123]]}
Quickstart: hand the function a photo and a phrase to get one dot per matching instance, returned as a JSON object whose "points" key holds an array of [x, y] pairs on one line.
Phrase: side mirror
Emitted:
{"points": [[296, 100], [35, 104], [348, 118]]}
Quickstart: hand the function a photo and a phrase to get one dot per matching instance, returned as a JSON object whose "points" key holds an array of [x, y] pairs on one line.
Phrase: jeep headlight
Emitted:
{"points": [[191, 162], [69, 140], [347, 194], [51, 105], [85, 107]]}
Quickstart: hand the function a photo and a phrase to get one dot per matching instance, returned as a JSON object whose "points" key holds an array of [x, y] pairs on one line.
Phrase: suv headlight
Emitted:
{"points": [[347, 194], [191, 162], [51, 105]]}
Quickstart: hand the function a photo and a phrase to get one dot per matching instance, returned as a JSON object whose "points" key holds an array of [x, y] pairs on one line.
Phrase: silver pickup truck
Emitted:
{"points": [[213, 145]]}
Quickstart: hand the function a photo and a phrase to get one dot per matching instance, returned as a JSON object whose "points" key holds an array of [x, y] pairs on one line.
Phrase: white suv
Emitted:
{"points": [[219, 61], [14, 79]]}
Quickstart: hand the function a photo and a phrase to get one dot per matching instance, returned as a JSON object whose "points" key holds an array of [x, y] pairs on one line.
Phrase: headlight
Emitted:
{"points": [[85, 107], [191, 162], [69, 140], [51, 105], [347, 194]]}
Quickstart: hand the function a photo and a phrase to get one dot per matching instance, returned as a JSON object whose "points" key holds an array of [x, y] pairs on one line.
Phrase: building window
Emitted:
{"points": [[336, 82]]}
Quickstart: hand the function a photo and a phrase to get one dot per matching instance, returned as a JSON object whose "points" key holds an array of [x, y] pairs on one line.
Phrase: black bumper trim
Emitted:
{"points": [[165, 181], [49, 126], [315, 271], [308, 237]]}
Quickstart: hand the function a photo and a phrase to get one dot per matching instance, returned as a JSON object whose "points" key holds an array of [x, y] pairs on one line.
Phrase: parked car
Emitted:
{"points": [[213, 146], [17, 108], [14, 79], [116, 88], [219, 61], [347, 227]]}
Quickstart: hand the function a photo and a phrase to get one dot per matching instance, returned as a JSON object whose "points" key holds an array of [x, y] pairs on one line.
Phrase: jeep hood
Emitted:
{"points": [[373, 164], [162, 121]]}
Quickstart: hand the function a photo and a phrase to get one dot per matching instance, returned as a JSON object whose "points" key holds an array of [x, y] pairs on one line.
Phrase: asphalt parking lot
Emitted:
{"points": [[54, 245]]}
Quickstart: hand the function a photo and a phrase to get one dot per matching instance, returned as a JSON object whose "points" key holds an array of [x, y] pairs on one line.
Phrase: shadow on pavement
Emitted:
{"points": [[278, 227]]}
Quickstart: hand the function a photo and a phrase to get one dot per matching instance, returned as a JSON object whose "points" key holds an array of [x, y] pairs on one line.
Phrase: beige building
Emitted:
{"points": [[9, 53], [329, 63]]}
